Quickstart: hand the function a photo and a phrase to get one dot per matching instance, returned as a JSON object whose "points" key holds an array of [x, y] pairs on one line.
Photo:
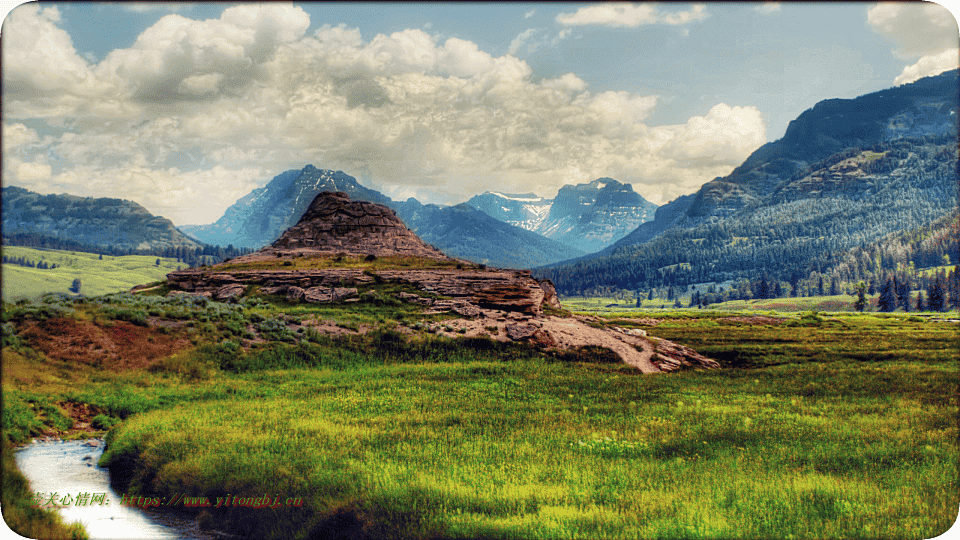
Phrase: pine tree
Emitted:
{"points": [[920, 305], [953, 287], [861, 301], [936, 300], [75, 286], [888, 299]]}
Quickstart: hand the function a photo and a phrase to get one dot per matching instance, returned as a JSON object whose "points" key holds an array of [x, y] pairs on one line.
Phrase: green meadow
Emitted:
{"points": [[817, 427], [97, 276]]}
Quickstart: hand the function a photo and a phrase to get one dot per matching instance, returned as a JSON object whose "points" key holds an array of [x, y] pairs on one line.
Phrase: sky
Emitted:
{"points": [[185, 108]]}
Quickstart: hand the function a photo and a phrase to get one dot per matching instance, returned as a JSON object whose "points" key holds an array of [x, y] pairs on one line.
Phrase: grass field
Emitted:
{"points": [[835, 303], [109, 275], [818, 427]]}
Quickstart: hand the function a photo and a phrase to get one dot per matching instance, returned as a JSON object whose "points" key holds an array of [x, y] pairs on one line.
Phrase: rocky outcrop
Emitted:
{"points": [[509, 290], [333, 224]]}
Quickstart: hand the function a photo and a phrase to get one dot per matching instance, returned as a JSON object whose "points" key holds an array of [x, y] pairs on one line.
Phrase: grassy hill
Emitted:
{"points": [[97, 276]]}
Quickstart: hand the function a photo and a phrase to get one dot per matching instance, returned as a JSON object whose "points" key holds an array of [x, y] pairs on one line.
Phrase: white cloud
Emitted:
{"points": [[929, 65], [197, 113], [924, 32], [725, 136], [522, 39], [529, 14], [140, 8], [918, 29], [529, 41], [18, 135], [630, 15], [39, 59], [768, 8]]}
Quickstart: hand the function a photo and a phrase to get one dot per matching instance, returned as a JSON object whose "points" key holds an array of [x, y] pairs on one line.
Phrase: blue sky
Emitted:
{"points": [[184, 108]]}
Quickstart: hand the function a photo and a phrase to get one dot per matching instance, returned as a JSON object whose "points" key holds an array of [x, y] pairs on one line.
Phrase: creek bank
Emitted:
{"points": [[66, 474]]}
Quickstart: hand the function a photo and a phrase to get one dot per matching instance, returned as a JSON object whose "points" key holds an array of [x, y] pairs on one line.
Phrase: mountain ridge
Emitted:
{"points": [[103, 222], [837, 156]]}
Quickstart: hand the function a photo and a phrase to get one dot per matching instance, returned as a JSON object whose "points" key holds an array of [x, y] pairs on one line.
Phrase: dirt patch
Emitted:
{"points": [[82, 415], [118, 346]]}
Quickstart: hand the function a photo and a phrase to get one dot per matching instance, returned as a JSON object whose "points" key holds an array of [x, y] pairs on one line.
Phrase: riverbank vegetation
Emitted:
{"points": [[819, 425]]}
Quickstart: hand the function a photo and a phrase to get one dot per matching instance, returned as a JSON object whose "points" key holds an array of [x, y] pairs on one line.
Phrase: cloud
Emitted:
{"points": [[196, 114], [630, 15], [529, 40], [529, 14], [917, 29], [932, 64], [725, 136], [150, 7], [40, 62], [924, 32], [768, 8]]}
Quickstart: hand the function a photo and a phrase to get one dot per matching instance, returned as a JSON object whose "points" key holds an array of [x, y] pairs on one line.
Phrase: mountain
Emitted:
{"points": [[104, 223], [588, 217], [467, 233], [262, 215], [846, 173], [527, 211]]}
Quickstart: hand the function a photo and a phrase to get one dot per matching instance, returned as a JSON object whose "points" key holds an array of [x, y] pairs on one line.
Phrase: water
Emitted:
{"points": [[70, 468]]}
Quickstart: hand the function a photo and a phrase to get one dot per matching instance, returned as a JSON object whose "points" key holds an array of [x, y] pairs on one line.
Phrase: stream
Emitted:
{"points": [[69, 468]]}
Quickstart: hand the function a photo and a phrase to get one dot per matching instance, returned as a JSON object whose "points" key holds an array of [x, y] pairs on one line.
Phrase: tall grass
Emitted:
{"points": [[536, 449]]}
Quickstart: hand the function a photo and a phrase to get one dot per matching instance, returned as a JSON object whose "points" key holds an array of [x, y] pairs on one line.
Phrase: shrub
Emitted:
{"points": [[104, 422]]}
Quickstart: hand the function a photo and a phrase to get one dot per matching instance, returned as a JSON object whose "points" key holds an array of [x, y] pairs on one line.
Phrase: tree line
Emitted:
{"points": [[28, 263]]}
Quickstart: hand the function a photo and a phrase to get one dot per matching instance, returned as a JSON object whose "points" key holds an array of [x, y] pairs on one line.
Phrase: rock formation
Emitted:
{"points": [[508, 302], [333, 223], [335, 226]]}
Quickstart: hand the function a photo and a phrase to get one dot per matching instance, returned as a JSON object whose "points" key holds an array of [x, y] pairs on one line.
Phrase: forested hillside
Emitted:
{"points": [[845, 201]]}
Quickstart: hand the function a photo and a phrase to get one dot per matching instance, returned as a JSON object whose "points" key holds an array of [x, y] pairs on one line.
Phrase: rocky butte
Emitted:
{"points": [[340, 246]]}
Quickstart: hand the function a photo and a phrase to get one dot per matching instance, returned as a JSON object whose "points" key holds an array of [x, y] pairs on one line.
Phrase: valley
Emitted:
{"points": [[772, 355]]}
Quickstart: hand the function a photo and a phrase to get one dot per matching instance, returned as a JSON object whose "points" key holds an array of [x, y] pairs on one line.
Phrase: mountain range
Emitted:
{"points": [[589, 216], [580, 219], [847, 172]]}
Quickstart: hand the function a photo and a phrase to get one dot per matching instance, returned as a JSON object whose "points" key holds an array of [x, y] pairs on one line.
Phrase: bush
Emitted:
{"points": [[103, 422]]}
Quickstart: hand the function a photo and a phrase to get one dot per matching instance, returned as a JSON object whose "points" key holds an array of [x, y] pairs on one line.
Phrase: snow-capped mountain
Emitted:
{"points": [[589, 216]]}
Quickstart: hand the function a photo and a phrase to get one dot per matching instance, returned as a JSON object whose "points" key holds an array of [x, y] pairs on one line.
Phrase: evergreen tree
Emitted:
{"points": [[888, 299], [861, 301], [75, 286], [953, 287], [920, 305], [935, 296]]}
